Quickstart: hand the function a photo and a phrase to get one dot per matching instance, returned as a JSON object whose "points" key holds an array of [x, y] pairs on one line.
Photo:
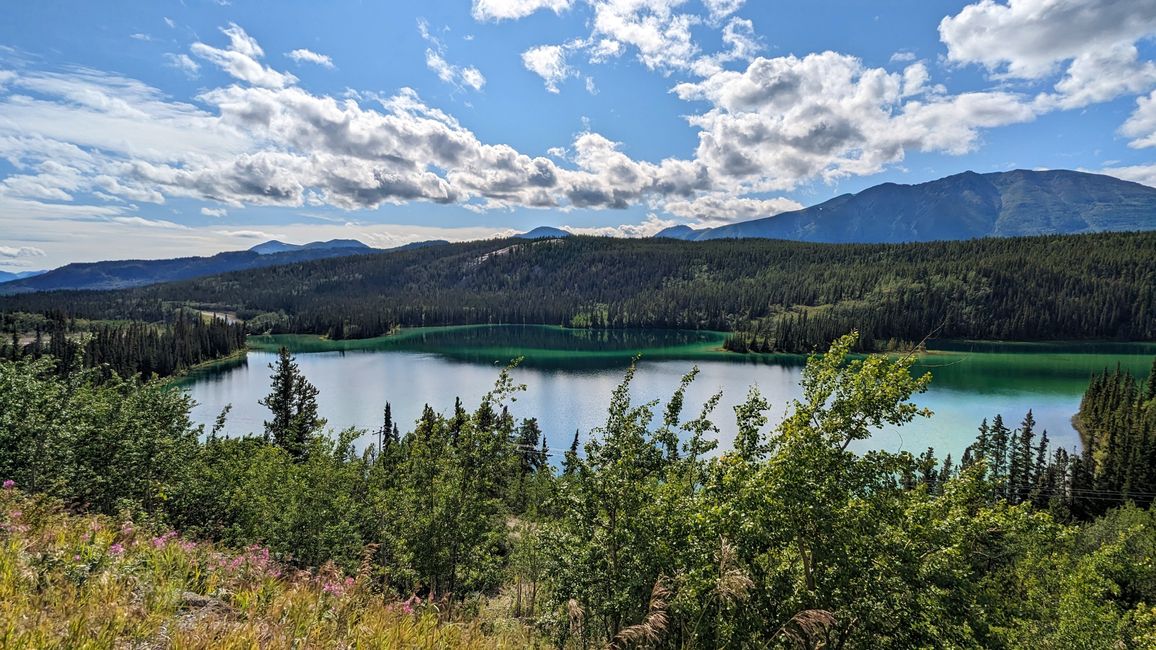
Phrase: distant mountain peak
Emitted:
{"points": [[677, 232], [543, 232], [967, 205], [274, 246]]}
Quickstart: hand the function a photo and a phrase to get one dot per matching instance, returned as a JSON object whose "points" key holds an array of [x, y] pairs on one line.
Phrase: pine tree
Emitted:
{"points": [[570, 458], [293, 402]]}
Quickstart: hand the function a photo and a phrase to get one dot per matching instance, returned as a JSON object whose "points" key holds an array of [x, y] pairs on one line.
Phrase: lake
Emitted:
{"points": [[570, 374]]}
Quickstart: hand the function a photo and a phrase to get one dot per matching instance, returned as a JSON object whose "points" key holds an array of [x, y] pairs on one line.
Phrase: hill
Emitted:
{"points": [[790, 295], [274, 246], [963, 206], [543, 232], [9, 276], [119, 274]]}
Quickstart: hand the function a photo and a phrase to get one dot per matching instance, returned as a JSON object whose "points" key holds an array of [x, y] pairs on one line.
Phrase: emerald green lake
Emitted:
{"points": [[569, 375]]}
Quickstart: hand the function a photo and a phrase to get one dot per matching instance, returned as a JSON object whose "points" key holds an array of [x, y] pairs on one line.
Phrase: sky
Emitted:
{"points": [[161, 129]]}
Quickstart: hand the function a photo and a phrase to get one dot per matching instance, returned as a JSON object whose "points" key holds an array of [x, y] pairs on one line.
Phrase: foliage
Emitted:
{"points": [[647, 536], [775, 295]]}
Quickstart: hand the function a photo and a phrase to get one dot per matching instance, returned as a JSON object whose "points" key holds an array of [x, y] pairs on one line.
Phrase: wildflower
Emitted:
{"points": [[9, 484], [163, 540], [335, 589], [116, 550]]}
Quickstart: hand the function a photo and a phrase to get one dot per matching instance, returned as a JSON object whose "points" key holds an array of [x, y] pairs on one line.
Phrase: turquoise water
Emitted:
{"points": [[569, 375]]}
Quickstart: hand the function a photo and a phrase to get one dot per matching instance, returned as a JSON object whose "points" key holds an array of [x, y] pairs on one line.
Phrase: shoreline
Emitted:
{"points": [[940, 347]]}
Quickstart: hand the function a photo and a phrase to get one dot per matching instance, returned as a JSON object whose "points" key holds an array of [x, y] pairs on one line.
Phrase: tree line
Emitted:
{"points": [[121, 348], [642, 532], [774, 295]]}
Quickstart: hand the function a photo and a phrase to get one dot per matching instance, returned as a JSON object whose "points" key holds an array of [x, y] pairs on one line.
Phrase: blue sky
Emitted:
{"points": [[161, 129]]}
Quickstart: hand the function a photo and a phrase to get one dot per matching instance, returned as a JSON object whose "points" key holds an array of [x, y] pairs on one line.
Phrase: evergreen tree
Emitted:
{"points": [[293, 403], [570, 458]]}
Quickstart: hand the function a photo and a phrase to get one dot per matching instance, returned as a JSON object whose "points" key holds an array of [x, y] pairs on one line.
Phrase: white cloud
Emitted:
{"points": [[742, 43], [1092, 41], [720, 9], [170, 22], [725, 208], [660, 35], [184, 63], [148, 223], [240, 59], [514, 9], [1028, 38], [786, 120], [214, 212], [549, 63], [1143, 174], [648, 228], [308, 56], [903, 56], [78, 135], [1141, 125], [250, 234], [455, 75], [11, 252], [141, 37]]}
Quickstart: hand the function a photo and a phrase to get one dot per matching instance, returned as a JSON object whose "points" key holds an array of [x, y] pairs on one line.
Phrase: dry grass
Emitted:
{"points": [[69, 581]]}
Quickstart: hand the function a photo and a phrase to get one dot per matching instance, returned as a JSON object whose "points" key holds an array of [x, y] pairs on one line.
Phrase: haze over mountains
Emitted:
{"points": [[122, 274], [963, 206], [8, 276]]}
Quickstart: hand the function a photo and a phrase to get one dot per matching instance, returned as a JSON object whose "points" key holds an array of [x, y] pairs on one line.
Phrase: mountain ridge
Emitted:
{"points": [[961, 206]]}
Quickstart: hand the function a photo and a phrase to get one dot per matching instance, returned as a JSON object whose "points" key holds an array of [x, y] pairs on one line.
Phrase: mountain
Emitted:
{"points": [[678, 232], [543, 232], [963, 206], [273, 247], [8, 276], [121, 274]]}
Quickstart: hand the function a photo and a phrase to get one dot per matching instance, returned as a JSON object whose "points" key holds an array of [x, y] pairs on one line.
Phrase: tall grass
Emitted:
{"points": [[83, 581]]}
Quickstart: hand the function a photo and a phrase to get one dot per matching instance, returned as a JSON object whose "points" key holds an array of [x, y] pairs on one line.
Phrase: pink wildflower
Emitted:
{"points": [[9, 484], [116, 550], [335, 589]]}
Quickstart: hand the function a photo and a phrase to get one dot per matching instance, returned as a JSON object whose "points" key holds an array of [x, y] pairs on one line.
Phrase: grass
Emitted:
{"points": [[84, 581]]}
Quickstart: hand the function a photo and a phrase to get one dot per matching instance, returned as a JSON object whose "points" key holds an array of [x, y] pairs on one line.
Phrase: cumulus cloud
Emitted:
{"points": [[215, 212], [720, 9], [765, 127], [1093, 42], [309, 56], [549, 63], [785, 120], [1028, 38], [1141, 125], [660, 35], [514, 9], [240, 59]]}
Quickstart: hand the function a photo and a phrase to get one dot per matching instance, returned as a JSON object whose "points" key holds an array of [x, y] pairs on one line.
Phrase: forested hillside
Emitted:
{"points": [[124, 348], [777, 295]]}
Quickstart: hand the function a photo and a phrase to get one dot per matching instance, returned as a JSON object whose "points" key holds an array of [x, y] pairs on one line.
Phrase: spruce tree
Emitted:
{"points": [[293, 402]]}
